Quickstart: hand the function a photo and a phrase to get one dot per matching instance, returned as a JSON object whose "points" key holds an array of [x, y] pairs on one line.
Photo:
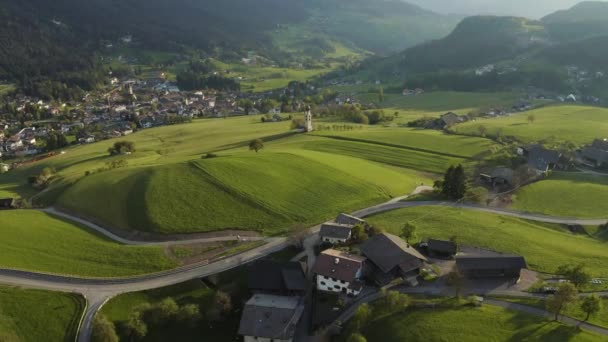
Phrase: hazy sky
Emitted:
{"points": [[527, 8]]}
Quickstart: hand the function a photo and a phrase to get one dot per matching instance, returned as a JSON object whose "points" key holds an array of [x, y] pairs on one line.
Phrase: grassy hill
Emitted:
{"points": [[553, 125], [545, 246], [487, 323], [35, 241], [579, 196], [32, 315]]}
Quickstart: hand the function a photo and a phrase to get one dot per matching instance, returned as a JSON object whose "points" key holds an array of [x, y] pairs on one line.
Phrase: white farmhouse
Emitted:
{"points": [[339, 272]]}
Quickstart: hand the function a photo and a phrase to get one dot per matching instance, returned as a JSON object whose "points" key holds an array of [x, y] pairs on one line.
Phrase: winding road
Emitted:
{"points": [[98, 291]]}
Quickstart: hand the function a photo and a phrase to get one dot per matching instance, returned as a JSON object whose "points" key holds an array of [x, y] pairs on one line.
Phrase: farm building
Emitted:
{"points": [[270, 318], [441, 248], [335, 233], [501, 266], [390, 257], [340, 272], [277, 278]]}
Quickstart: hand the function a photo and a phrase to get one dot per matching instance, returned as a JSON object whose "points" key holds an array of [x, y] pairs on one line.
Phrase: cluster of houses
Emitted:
{"points": [[279, 290], [22, 143]]}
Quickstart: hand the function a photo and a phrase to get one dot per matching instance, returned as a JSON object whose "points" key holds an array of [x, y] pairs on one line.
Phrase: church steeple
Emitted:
{"points": [[308, 120]]}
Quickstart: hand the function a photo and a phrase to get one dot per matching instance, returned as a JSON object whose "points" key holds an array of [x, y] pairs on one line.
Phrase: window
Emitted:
{"points": [[337, 287], [323, 283]]}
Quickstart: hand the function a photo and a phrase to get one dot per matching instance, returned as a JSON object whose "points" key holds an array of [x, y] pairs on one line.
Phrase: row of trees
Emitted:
{"points": [[165, 314]]}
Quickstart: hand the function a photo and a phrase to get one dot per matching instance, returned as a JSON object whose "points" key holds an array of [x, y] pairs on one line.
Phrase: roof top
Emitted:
{"points": [[267, 275], [480, 262], [348, 219], [442, 246], [335, 230], [270, 316], [388, 251], [540, 157], [601, 144], [340, 265]]}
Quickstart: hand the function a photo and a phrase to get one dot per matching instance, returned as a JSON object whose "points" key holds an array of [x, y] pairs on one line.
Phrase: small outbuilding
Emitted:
{"points": [[441, 248], [494, 266]]}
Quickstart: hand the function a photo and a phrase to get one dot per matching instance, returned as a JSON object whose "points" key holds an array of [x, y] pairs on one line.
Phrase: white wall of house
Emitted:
{"points": [[262, 339], [334, 285]]}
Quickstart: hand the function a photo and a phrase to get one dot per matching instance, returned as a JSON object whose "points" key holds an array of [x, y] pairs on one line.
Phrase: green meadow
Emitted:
{"points": [[545, 246], [35, 241], [234, 191], [553, 125], [471, 324], [168, 187], [33, 316], [566, 194]]}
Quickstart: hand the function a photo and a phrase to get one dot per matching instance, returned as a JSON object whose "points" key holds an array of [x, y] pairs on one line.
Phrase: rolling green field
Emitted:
{"points": [[563, 194], [33, 316], [35, 241], [167, 187], [482, 324], [553, 125], [574, 311], [422, 140], [545, 247], [214, 194]]}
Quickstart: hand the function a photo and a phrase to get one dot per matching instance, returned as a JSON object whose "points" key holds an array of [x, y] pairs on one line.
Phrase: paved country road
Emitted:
{"points": [[98, 291]]}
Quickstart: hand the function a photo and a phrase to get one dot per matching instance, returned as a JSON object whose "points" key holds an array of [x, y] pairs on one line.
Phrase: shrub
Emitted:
{"points": [[122, 147], [210, 156]]}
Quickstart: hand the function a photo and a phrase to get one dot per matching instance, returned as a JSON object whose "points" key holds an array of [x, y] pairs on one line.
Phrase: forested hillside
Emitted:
{"points": [[63, 41]]}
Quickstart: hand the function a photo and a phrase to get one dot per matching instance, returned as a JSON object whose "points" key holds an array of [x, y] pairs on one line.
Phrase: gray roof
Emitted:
{"points": [[600, 144], [349, 219], [388, 251], [268, 275], [335, 230], [596, 154], [540, 158], [442, 246], [269, 316], [450, 119], [479, 262], [503, 173]]}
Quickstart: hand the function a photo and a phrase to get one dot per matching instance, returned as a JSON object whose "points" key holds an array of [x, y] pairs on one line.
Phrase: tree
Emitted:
{"points": [[408, 232], [189, 314], [122, 147], [356, 337], [566, 294], [395, 301], [359, 234], [577, 274], [256, 145], [361, 317], [136, 328], [482, 130], [162, 312], [103, 330], [454, 183], [223, 302], [531, 118], [591, 305]]}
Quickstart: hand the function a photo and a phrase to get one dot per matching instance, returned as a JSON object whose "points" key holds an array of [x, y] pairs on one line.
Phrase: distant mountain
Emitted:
{"points": [[476, 41], [584, 20]]}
